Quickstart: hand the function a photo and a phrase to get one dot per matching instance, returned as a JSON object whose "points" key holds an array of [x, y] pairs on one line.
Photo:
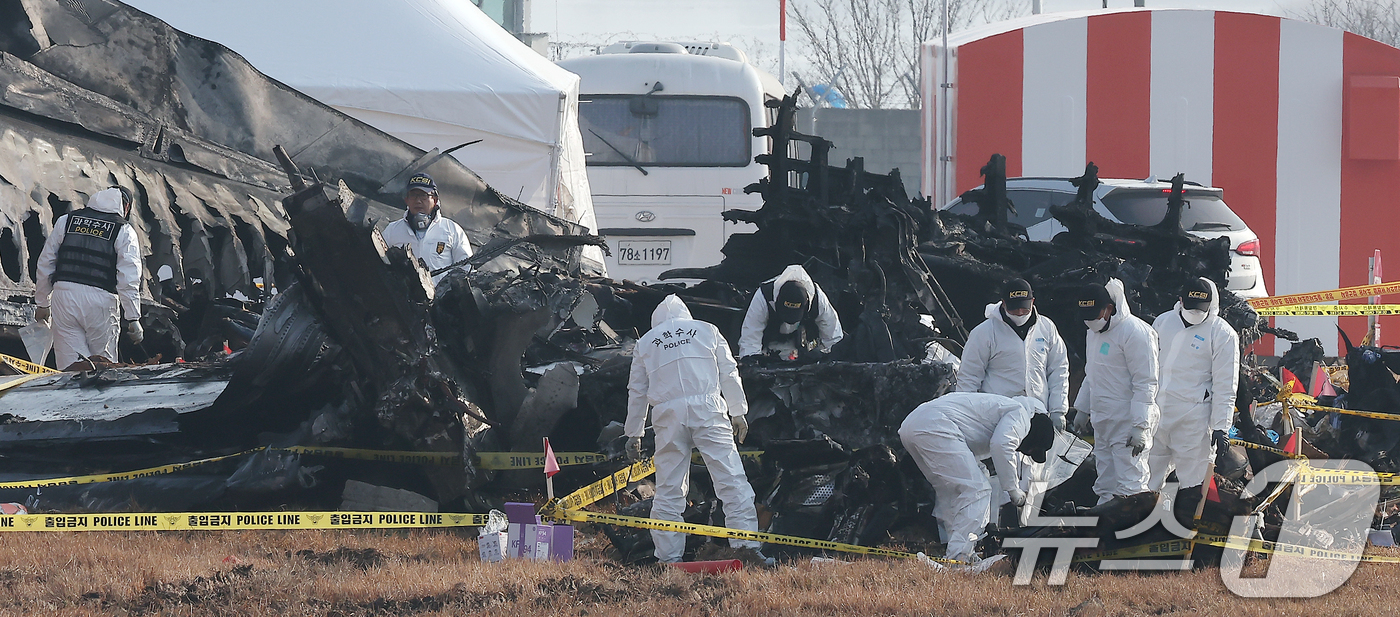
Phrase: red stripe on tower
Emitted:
{"points": [[1245, 154], [1118, 100], [989, 78], [1370, 167]]}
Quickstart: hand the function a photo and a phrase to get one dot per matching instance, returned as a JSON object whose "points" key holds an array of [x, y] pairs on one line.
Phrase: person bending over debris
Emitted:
{"points": [[1119, 392], [1017, 352], [683, 370], [790, 318], [436, 239], [1200, 371], [948, 436], [88, 276]]}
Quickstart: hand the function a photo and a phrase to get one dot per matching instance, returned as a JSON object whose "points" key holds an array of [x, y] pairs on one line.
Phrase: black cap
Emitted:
{"points": [[126, 195], [422, 182], [791, 302], [1018, 295], [1197, 295], [1039, 439], [1092, 300]]}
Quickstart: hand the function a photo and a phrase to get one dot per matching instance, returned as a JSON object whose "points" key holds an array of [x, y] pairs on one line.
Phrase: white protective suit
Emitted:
{"points": [[86, 319], [756, 320], [947, 437], [442, 244], [997, 361], [1120, 393], [680, 368], [1197, 380]]}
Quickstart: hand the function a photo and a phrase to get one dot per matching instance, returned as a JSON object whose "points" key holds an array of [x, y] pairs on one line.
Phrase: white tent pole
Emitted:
{"points": [[556, 150], [944, 131]]}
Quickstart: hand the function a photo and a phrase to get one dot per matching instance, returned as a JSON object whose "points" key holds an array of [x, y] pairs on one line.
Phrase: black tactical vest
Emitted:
{"points": [[804, 337], [88, 254]]}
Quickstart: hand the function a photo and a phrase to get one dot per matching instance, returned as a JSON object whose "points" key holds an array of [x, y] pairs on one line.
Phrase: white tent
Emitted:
{"points": [[434, 73]]}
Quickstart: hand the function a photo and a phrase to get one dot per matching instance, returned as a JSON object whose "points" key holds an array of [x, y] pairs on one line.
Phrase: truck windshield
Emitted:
{"points": [[665, 131], [1203, 212]]}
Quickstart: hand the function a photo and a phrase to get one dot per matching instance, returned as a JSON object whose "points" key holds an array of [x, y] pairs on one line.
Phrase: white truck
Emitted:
{"points": [[668, 132]]}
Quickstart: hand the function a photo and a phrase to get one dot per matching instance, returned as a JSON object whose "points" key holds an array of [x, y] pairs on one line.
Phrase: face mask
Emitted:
{"points": [[420, 221], [1018, 320], [1193, 316], [1097, 325]]}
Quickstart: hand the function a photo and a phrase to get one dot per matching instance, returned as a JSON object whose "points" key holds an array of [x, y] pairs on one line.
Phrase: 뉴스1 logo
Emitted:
{"points": [[646, 216]]}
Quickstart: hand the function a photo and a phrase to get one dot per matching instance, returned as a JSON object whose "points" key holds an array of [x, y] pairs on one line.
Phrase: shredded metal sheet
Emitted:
{"points": [[97, 93]]}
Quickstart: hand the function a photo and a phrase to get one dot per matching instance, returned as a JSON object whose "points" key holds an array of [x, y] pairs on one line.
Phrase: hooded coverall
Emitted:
{"points": [[683, 370], [1196, 387], [996, 360], [756, 320], [947, 437], [1120, 393], [87, 319]]}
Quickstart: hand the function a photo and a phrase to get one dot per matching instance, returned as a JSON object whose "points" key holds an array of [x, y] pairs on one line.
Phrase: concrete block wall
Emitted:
{"points": [[886, 138]]}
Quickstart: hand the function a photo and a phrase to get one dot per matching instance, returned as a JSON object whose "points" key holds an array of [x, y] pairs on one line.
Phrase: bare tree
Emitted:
{"points": [[1373, 19], [869, 49]]}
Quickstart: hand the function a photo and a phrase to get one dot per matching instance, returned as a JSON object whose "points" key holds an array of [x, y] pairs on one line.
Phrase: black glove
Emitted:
{"points": [[1222, 441]]}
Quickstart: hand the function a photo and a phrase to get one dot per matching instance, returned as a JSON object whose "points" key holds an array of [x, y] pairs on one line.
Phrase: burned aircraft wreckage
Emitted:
{"points": [[338, 341]]}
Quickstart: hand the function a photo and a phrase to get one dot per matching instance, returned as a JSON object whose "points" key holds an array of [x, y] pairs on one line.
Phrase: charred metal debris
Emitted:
{"points": [[265, 269]]}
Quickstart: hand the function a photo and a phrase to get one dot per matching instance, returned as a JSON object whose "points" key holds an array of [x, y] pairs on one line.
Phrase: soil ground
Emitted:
{"points": [[436, 572]]}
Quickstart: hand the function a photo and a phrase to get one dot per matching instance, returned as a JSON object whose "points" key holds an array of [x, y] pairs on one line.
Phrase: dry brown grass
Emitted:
{"points": [[436, 572]]}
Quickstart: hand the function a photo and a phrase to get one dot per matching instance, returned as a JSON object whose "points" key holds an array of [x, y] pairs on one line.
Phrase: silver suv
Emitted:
{"points": [[1140, 202]]}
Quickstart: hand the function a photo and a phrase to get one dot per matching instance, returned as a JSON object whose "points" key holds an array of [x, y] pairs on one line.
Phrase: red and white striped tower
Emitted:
{"points": [[1298, 123]]}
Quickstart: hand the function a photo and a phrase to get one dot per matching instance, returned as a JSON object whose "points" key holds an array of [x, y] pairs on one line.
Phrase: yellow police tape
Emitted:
{"points": [[567, 509], [535, 460], [489, 460], [1329, 310], [581, 516], [387, 456], [1344, 293], [203, 521], [116, 477], [25, 366], [1314, 475], [382, 456], [1350, 412], [1267, 547], [1181, 548], [607, 486], [1254, 446], [1167, 548], [213, 521]]}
